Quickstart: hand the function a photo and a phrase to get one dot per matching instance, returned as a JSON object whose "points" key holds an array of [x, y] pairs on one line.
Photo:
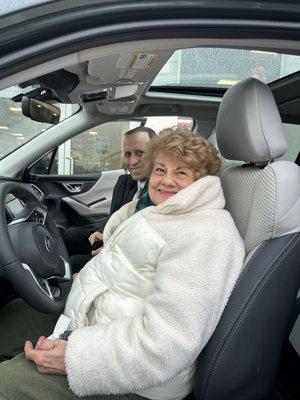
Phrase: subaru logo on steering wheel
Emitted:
{"points": [[48, 243]]}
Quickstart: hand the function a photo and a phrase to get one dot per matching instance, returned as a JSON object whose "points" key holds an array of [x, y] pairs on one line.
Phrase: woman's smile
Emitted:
{"points": [[166, 192], [169, 176]]}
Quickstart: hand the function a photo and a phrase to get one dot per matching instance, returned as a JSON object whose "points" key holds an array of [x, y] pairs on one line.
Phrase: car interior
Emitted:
{"points": [[49, 182]]}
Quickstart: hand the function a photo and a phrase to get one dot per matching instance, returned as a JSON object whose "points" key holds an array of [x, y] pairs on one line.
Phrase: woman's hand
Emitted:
{"points": [[95, 236], [48, 355], [45, 344]]}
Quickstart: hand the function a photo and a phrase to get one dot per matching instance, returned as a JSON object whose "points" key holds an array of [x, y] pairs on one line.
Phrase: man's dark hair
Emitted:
{"points": [[139, 129]]}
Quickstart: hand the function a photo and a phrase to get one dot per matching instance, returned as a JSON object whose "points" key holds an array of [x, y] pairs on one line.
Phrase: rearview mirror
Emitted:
{"points": [[40, 111]]}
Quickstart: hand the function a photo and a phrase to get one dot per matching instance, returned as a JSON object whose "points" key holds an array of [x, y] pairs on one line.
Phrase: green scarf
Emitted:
{"points": [[144, 201]]}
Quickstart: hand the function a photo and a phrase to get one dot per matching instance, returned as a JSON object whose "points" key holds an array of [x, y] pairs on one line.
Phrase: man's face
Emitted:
{"points": [[134, 148]]}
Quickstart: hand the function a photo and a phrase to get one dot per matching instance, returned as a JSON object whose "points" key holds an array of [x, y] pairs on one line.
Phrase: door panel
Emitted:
{"points": [[98, 198], [77, 200]]}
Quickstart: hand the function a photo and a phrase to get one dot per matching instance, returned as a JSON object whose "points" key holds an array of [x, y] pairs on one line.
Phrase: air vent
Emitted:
{"points": [[37, 191]]}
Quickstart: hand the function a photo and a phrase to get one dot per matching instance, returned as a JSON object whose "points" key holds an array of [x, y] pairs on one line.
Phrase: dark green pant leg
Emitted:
{"points": [[19, 380], [20, 322]]}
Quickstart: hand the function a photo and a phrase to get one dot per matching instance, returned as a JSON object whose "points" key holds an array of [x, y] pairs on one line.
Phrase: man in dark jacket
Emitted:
{"points": [[79, 240]]}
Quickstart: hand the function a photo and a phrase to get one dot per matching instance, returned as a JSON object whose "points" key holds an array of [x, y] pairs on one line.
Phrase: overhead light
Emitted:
{"points": [[17, 134], [268, 53], [15, 109], [21, 138], [4, 127], [93, 133], [124, 91], [227, 82]]}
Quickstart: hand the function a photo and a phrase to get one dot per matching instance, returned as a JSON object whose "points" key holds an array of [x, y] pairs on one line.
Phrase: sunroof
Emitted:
{"points": [[222, 68]]}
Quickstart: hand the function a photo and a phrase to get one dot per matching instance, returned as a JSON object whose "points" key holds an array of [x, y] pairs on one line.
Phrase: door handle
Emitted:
{"points": [[73, 187]]}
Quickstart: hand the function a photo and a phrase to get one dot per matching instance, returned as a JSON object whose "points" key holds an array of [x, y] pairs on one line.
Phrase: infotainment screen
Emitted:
{"points": [[14, 205]]}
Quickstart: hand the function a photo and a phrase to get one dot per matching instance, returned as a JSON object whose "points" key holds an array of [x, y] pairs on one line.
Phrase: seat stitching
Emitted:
{"points": [[250, 261], [266, 275], [255, 254], [242, 306]]}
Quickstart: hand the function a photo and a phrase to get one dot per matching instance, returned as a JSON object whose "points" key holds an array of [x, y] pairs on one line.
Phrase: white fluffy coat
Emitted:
{"points": [[145, 307]]}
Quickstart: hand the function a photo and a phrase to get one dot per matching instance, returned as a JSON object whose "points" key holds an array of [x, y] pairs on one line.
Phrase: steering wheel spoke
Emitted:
{"points": [[67, 275], [42, 283], [37, 214]]}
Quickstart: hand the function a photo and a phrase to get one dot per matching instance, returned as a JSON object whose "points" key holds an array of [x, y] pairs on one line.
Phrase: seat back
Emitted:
{"points": [[241, 359]]}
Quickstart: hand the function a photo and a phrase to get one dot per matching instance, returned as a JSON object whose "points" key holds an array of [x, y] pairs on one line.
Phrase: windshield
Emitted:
{"points": [[222, 68], [15, 128]]}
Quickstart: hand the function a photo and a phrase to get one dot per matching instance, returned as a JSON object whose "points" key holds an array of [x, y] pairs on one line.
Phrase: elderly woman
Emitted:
{"points": [[144, 308]]}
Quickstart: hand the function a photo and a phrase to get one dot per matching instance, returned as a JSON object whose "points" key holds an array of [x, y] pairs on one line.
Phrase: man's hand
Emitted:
{"points": [[95, 252], [95, 236], [48, 355]]}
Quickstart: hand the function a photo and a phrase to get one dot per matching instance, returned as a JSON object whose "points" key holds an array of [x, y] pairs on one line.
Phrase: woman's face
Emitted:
{"points": [[169, 175]]}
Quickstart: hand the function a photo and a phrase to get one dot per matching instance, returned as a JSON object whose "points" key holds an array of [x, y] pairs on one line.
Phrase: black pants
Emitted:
{"points": [[77, 240], [78, 246], [78, 261]]}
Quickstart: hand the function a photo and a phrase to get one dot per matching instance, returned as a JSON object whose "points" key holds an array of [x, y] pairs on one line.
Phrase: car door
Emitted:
{"points": [[75, 181], [76, 200]]}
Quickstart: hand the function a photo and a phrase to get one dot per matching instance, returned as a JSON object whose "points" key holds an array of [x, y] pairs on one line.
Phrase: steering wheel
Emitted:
{"points": [[33, 256]]}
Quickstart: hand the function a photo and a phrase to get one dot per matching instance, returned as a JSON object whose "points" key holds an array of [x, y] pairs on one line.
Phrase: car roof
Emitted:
{"points": [[61, 44], [76, 49]]}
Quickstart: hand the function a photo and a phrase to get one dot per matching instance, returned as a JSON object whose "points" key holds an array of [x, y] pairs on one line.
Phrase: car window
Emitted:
{"points": [[292, 133], [46, 165], [222, 68], [100, 148], [97, 149], [159, 123], [15, 128]]}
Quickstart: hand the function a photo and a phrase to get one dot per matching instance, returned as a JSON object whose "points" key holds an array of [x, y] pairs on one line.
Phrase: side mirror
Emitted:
{"points": [[40, 111]]}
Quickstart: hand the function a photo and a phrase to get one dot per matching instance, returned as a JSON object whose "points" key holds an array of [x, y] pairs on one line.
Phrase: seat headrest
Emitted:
{"points": [[249, 127]]}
